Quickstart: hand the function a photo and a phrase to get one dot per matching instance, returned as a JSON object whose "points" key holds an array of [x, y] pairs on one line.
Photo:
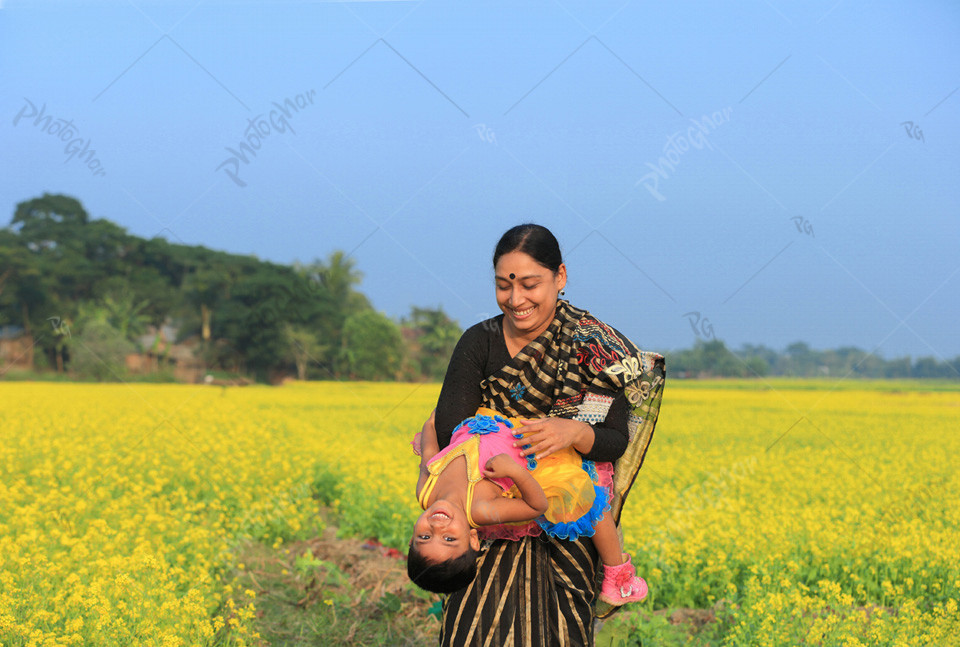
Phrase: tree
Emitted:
{"points": [[759, 359], [67, 245], [303, 347], [127, 314], [432, 336], [12, 255], [24, 288], [252, 320], [802, 360], [713, 359], [100, 351], [45, 222], [332, 290], [62, 336], [205, 287], [718, 360], [372, 346], [756, 367]]}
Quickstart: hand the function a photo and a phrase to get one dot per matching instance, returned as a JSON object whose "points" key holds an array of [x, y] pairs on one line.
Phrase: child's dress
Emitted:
{"points": [[577, 490]]}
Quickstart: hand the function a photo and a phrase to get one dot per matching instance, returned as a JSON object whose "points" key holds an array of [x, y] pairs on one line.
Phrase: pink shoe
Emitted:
{"points": [[621, 584]]}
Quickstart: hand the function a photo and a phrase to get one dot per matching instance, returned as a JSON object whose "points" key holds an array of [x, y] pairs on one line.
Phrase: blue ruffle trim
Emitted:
{"points": [[586, 525], [481, 425], [590, 468]]}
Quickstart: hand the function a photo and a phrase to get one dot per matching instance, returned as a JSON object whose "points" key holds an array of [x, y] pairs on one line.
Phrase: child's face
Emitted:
{"points": [[442, 532]]}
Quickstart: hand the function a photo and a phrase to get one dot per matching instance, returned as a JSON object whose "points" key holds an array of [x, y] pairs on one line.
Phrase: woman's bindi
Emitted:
{"points": [[512, 275]]}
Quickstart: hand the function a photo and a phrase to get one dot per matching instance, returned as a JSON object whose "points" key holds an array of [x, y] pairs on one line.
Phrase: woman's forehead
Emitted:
{"points": [[520, 264]]}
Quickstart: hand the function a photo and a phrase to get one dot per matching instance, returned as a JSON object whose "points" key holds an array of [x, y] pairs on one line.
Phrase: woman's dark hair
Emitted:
{"points": [[445, 577], [531, 239]]}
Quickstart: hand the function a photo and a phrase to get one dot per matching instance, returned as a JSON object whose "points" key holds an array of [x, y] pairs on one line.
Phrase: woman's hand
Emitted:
{"points": [[548, 435]]}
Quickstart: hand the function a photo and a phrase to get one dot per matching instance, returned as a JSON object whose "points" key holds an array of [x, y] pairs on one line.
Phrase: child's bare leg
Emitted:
{"points": [[607, 542]]}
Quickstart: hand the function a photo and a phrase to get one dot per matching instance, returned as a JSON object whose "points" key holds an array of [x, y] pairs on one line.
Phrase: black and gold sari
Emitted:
{"points": [[540, 591]]}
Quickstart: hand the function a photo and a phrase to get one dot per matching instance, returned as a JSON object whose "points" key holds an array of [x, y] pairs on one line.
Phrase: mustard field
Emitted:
{"points": [[801, 513]]}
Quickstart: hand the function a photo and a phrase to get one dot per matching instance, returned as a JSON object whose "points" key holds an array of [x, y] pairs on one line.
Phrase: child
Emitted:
{"points": [[490, 484]]}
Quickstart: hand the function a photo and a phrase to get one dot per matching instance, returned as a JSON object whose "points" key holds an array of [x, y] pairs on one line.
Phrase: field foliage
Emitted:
{"points": [[801, 513]]}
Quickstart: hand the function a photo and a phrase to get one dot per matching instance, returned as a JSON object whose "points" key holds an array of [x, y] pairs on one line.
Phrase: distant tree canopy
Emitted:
{"points": [[713, 359], [82, 288], [63, 273], [434, 336]]}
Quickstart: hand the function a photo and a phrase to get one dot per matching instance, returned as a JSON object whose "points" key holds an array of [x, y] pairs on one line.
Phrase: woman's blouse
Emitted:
{"points": [[481, 352]]}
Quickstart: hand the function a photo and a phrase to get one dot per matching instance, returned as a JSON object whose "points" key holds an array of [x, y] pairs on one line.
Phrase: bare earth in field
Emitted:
{"points": [[329, 591], [353, 591]]}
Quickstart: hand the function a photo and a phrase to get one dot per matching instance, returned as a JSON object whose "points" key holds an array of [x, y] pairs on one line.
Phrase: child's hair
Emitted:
{"points": [[444, 577]]}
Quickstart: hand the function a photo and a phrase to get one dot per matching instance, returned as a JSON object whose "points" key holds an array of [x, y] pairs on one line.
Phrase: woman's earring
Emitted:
{"points": [[561, 292]]}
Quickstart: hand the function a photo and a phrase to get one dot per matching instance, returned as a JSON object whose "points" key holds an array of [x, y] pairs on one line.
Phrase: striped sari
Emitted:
{"points": [[541, 591]]}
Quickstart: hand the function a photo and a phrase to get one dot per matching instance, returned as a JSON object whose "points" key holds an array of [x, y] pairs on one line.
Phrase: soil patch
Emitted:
{"points": [[330, 591]]}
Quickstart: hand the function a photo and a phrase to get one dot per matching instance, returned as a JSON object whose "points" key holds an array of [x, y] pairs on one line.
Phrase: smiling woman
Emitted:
{"points": [[529, 275], [545, 360]]}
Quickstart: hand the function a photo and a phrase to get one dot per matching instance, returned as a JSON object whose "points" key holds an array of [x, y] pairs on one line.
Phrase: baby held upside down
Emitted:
{"points": [[481, 481]]}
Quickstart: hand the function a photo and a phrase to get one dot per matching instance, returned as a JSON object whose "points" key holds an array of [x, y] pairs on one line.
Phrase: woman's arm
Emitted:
{"points": [[460, 395], [605, 442], [611, 438]]}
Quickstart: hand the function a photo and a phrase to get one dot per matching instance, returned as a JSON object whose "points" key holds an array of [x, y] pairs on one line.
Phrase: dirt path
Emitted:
{"points": [[329, 591]]}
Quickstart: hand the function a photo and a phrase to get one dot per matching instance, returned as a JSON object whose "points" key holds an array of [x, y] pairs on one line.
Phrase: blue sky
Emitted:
{"points": [[747, 162]]}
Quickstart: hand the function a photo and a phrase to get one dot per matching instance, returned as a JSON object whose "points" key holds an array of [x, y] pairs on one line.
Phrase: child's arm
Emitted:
{"points": [[428, 439], [502, 509], [428, 449]]}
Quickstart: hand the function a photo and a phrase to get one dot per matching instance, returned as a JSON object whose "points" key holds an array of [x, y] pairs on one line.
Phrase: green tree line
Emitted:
{"points": [[84, 293], [712, 358]]}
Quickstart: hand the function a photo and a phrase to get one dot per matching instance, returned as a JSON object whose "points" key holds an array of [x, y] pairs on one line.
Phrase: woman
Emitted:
{"points": [[595, 392]]}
